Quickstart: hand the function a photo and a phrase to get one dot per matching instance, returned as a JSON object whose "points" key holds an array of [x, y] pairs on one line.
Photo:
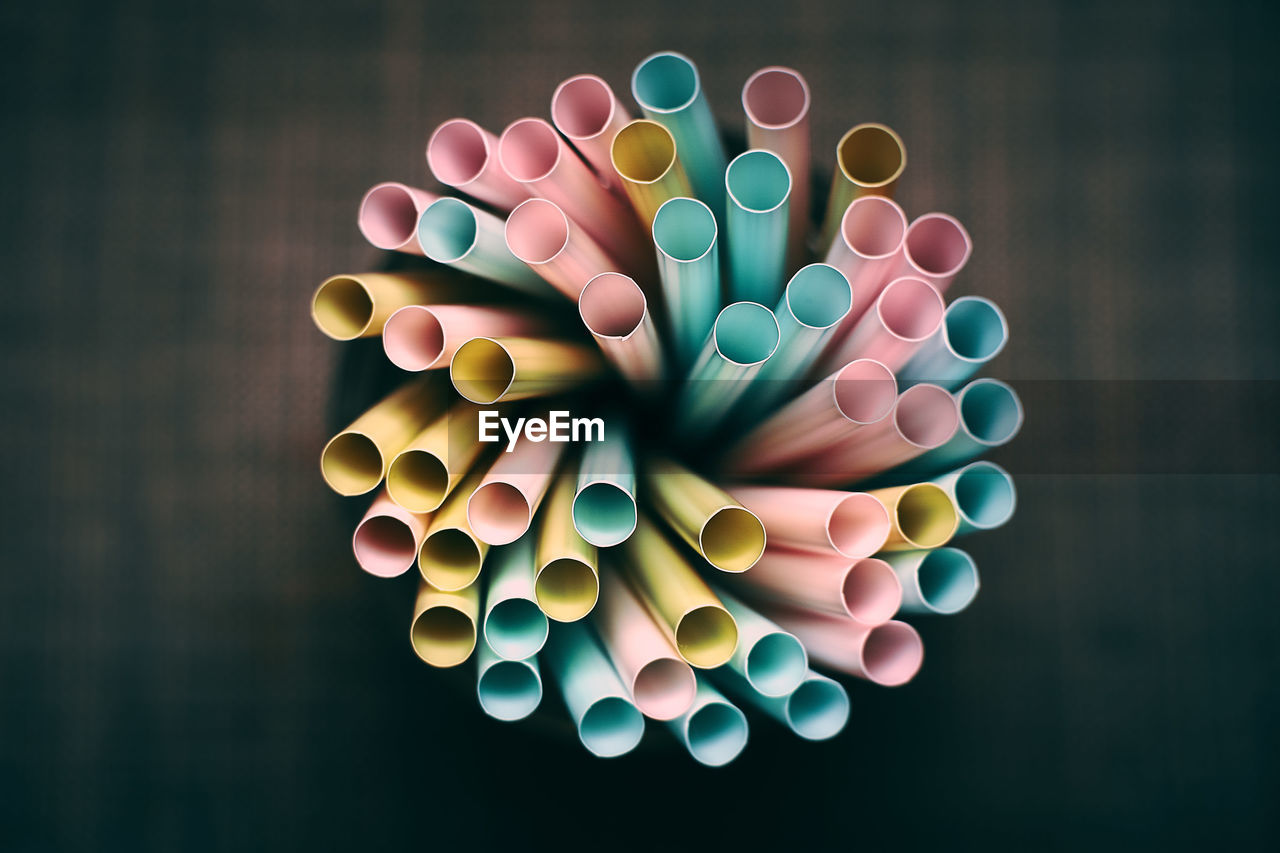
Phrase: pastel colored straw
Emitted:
{"points": [[616, 313], [608, 723], [725, 533], [346, 307], [647, 166], [869, 160], [389, 214], [508, 690], [515, 627], [540, 234], [942, 581], [817, 709], [668, 90], [493, 369], [690, 614], [921, 515], [936, 248], [868, 248], [905, 314], [714, 730], [973, 332], [889, 654], [451, 553], [587, 112], [744, 336], [604, 505], [772, 661], [775, 101], [684, 232], [758, 186], [567, 580], [660, 682], [990, 416], [820, 521], [864, 591], [463, 155], [983, 493], [423, 474], [443, 630], [387, 538], [425, 337], [467, 238], [503, 504]]}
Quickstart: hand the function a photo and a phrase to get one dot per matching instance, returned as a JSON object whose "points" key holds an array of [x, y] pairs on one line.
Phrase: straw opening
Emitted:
{"points": [[910, 308], [819, 296], [482, 370], [388, 216], [384, 546], [604, 514], [732, 539], [529, 150], [776, 664], [938, 244], [582, 107], [413, 338], [775, 98], [665, 83], [612, 726], [509, 690], [865, 391], [684, 229], [975, 329], [643, 151], [448, 230], [990, 411], [871, 591], [926, 415], [537, 231], [351, 463], [746, 333], [418, 480], [892, 654], [985, 495], [457, 152], [612, 305], [947, 580], [449, 559], [706, 636], [515, 628], [566, 589], [858, 526], [443, 636], [717, 733], [758, 181], [342, 308], [664, 688], [818, 709], [926, 516], [873, 227], [871, 155], [498, 512]]}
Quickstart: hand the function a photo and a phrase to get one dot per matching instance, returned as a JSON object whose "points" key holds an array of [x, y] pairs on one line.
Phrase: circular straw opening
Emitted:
{"points": [[746, 333], [529, 150], [758, 181], [775, 98], [537, 231], [566, 589], [926, 516], [612, 305], [947, 579], [384, 546], [873, 226], [985, 495], [871, 155], [413, 338], [449, 559], [926, 415], [342, 308], [482, 370], [776, 664], [457, 152], [612, 726], [604, 514], [717, 733], [509, 690], [910, 308], [892, 654], [706, 636], [858, 526], [515, 628], [990, 411], [732, 539], [684, 229], [351, 463], [938, 244], [582, 107], [443, 636], [819, 296], [818, 709], [643, 151], [418, 481], [665, 83], [871, 591], [388, 216], [448, 230], [865, 391], [664, 688], [975, 328], [498, 513]]}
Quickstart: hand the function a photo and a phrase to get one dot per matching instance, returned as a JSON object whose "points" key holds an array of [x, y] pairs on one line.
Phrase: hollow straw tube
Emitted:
{"points": [[463, 155], [422, 337], [515, 627], [354, 461], [725, 533], [714, 730], [983, 493], [608, 723], [604, 504], [661, 684], [869, 160], [502, 506], [868, 248], [936, 248], [388, 216], [905, 314], [443, 630], [646, 164], [942, 581], [684, 232], [819, 521], [758, 187], [681, 603], [817, 709], [889, 655], [616, 313], [586, 111], [508, 690], [423, 474], [489, 370], [865, 591], [567, 581], [386, 540], [667, 88], [464, 237], [921, 515], [346, 307], [775, 101], [973, 332], [543, 238], [744, 336], [990, 416], [451, 553], [772, 661]]}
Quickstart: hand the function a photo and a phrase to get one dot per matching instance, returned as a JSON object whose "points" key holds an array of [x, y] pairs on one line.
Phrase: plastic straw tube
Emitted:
{"points": [[443, 630], [869, 160], [389, 214], [451, 553], [608, 723], [421, 337], [616, 313], [461, 154], [772, 661], [936, 248], [422, 475], [744, 336], [684, 606], [983, 493], [758, 185], [387, 538], [515, 627], [684, 232], [921, 515], [645, 163], [540, 234], [604, 505], [973, 332], [502, 507], [865, 591], [487, 370], [453, 232], [942, 581], [661, 683], [889, 655], [724, 532], [354, 461], [714, 730], [906, 313], [346, 307], [586, 111], [567, 582], [868, 248], [990, 416], [819, 521], [508, 690], [667, 88], [817, 709], [776, 103]]}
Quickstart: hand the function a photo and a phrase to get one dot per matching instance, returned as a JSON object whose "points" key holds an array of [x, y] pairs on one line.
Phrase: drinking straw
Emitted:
{"points": [[489, 370], [865, 591], [905, 314], [817, 709], [714, 730], [983, 493], [354, 461], [464, 237], [541, 236], [819, 521], [973, 332], [667, 88], [515, 627], [586, 111], [921, 515], [508, 690], [461, 154], [346, 307], [776, 103], [681, 603], [422, 337], [868, 248], [661, 684], [772, 661], [451, 553], [423, 474], [684, 232], [443, 630], [869, 160], [889, 655], [726, 534], [744, 335], [388, 216], [387, 538], [608, 723], [936, 248], [758, 186], [990, 416], [604, 506], [567, 582], [616, 313], [502, 506], [647, 166], [942, 581]]}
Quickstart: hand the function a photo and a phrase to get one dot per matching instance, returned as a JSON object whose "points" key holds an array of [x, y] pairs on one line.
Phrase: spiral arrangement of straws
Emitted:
{"points": [[693, 545]]}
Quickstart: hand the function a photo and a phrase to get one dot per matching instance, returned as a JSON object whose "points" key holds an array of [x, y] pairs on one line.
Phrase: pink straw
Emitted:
{"points": [[776, 103], [539, 233], [389, 214], [868, 249], [905, 315], [501, 508], [936, 248], [461, 154], [616, 313], [847, 524], [888, 654], [387, 538], [587, 112], [420, 337], [866, 591]]}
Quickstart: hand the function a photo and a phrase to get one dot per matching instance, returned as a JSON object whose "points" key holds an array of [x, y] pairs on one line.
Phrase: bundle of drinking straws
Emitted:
{"points": [[652, 497]]}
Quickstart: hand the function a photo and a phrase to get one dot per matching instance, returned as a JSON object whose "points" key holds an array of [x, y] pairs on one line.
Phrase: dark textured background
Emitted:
{"points": [[188, 657]]}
